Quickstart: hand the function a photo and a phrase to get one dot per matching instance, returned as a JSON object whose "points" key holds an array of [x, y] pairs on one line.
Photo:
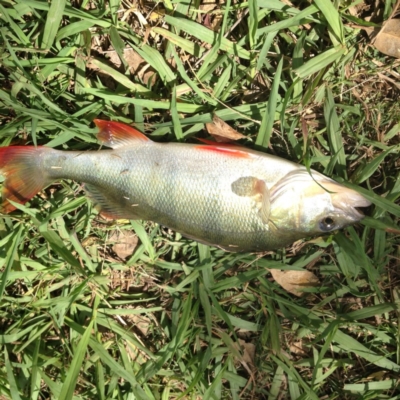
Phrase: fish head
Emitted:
{"points": [[304, 204]]}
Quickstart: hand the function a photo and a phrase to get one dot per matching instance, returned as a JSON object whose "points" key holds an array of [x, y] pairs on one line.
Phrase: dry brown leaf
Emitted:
{"points": [[357, 9], [222, 132], [387, 41], [386, 78], [209, 19], [137, 64], [246, 353], [208, 5], [205, 17], [249, 352], [298, 348], [295, 281], [140, 322], [216, 22], [156, 15], [377, 376], [125, 243]]}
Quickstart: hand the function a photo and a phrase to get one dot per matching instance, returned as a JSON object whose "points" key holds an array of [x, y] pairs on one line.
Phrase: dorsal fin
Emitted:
{"points": [[116, 134]]}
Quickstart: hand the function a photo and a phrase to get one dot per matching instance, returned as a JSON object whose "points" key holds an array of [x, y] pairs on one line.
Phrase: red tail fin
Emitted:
{"points": [[21, 166]]}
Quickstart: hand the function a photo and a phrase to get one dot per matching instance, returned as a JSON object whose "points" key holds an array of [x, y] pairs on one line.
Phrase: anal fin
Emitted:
{"points": [[107, 205]]}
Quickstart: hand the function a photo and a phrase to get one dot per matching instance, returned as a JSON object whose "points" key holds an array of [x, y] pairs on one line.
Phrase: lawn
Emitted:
{"points": [[100, 309]]}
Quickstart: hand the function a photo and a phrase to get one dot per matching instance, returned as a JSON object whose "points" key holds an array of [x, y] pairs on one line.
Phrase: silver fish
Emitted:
{"points": [[221, 195]]}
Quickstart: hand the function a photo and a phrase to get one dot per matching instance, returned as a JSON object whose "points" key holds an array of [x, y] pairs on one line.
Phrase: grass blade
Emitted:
{"points": [[267, 124], [170, 315], [68, 388], [319, 62], [332, 17], [11, 377], [10, 256], [334, 133], [207, 35], [53, 22]]}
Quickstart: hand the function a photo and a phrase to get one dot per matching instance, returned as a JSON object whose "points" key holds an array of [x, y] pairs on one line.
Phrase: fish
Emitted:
{"points": [[222, 195]]}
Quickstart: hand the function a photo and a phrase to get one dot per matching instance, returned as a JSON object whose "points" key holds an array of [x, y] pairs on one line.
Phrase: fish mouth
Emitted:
{"points": [[349, 202], [354, 214]]}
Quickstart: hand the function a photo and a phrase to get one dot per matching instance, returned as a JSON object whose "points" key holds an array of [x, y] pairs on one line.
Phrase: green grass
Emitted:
{"points": [[177, 319]]}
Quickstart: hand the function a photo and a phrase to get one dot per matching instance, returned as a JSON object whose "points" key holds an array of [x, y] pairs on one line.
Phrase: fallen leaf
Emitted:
{"points": [[137, 64], [387, 41], [298, 348], [125, 243], [157, 14], [295, 281], [249, 352], [358, 8], [222, 132], [376, 376], [246, 353], [208, 5], [140, 322], [216, 22], [205, 17]]}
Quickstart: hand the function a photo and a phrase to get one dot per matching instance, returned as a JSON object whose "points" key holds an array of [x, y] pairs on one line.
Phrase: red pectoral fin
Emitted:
{"points": [[117, 134]]}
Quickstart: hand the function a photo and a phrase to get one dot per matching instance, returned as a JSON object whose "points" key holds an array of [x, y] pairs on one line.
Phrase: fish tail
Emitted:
{"points": [[23, 172]]}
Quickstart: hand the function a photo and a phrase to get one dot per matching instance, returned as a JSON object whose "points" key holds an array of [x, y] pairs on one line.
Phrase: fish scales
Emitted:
{"points": [[228, 196], [189, 192]]}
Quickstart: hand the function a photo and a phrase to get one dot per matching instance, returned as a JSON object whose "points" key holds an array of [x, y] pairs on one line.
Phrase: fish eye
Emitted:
{"points": [[327, 224]]}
